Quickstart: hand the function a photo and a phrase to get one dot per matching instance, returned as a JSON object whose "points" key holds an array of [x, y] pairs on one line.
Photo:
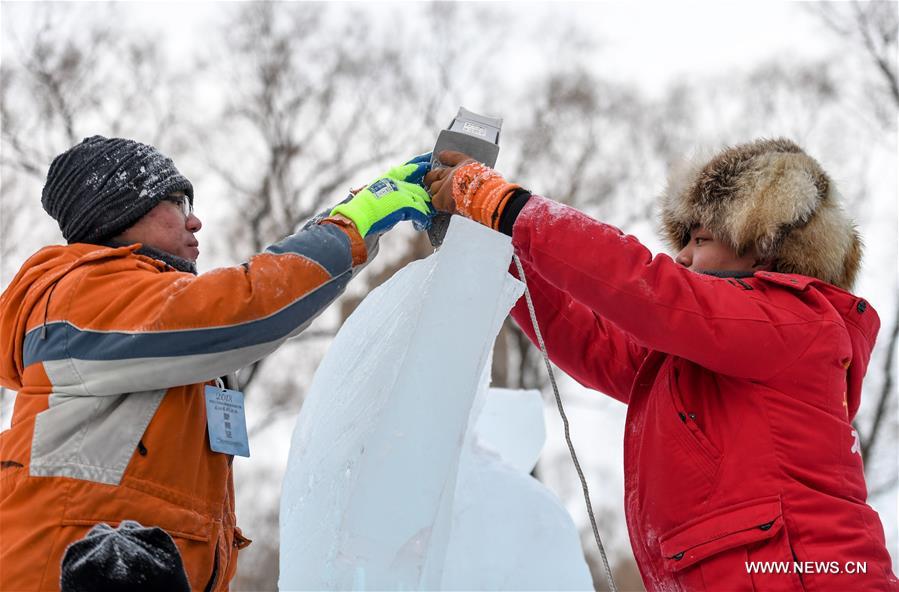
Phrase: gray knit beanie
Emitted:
{"points": [[102, 186]]}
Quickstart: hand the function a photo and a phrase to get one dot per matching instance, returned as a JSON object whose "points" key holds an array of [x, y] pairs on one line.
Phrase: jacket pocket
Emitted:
{"points": [[196, 550], [717, 551], [194, 533], [689, 432], [103, 503]]}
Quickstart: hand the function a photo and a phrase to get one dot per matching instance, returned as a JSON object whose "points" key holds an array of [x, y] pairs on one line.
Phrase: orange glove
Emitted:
{"points": [[481, 193]]}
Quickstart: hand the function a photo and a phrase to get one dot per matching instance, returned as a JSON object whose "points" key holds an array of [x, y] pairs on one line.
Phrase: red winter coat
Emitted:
{"points": [[738, 444]]}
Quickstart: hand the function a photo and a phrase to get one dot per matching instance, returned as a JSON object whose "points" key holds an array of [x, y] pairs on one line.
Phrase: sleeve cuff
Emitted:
{"points": [[358, 249], [513, 208]]}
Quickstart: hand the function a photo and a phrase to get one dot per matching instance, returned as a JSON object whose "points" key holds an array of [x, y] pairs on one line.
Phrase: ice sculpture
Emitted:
{"points": [[370, 492], [509, 532]]}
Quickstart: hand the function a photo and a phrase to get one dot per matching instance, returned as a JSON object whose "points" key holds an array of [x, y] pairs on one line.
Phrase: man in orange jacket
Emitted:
{"points": [[116, 348]]}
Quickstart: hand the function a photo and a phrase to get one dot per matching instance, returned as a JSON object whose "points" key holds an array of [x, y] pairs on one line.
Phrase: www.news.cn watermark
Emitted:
{"points": [[806, 567]]}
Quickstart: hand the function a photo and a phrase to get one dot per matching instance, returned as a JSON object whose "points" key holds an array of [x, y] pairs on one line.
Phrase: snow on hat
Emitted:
{"points": [[771, 195], [128, 558], [102, 186]]}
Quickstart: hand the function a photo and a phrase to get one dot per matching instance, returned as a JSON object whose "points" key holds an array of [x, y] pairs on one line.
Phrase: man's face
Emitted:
{"points": [[704, 253], [167, 227]]}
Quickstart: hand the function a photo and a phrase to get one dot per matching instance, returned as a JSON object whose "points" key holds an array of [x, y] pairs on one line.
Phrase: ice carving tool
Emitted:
{"points": [[476, 136]]}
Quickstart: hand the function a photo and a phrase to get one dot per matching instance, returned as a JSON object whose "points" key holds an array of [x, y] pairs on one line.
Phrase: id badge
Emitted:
{"points": [[226, 421]]}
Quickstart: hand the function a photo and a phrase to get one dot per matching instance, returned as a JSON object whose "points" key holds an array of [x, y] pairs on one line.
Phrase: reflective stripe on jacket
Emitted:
{"points": [[738, 444], [110, 352]]}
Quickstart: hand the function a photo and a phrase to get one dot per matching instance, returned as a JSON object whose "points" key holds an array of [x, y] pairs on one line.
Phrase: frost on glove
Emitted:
{"points": [[482, 194]]}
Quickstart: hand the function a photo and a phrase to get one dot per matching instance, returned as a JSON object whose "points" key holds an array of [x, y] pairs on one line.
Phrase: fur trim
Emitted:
{"points": [[771, 195]]}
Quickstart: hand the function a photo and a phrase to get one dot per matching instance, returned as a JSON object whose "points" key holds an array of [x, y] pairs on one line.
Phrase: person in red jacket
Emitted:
{"points": [[118, 350], [741, 361]]}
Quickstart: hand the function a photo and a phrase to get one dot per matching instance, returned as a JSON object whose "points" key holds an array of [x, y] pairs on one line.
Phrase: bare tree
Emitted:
{"points": [[298, 104], [55, 91], [307, 132], [587, 142], [870, 29]]}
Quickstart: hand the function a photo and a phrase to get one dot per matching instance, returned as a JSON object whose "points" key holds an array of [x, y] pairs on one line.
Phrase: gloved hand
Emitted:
{"points": [[469, 188], [397, 195]]}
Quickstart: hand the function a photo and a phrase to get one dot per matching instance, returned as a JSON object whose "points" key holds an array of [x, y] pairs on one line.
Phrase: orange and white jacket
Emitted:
{"points": [[110, 351]]}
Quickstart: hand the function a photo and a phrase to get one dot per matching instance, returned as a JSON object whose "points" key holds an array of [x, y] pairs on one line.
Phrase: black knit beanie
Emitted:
{"points": [[130, 557], [102, 186]]}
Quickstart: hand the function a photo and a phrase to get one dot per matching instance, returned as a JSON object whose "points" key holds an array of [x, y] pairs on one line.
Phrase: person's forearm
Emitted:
{"points": [[663, 305], [158, 330], [589, 349]]}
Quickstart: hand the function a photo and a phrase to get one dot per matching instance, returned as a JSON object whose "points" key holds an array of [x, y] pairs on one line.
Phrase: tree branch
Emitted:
{"points": [[864, 27]]}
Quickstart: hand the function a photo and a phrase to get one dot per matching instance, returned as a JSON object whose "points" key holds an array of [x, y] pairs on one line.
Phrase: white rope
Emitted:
{"points": [[577, 465]]}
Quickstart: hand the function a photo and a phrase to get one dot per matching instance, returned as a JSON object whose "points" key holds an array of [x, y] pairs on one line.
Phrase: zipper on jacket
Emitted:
{"points": [[47, 310], [141, 449], [215, 571]]}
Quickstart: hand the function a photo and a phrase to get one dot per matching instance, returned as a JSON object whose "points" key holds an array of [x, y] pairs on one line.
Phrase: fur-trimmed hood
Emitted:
{"points": [[770, 194]]}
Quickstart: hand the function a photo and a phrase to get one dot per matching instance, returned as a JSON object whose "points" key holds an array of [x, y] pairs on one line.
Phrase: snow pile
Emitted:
{"points": [[386, 486]]}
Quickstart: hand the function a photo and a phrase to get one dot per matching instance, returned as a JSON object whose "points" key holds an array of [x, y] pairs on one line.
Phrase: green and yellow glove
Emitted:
{"points": [[397, 195]]}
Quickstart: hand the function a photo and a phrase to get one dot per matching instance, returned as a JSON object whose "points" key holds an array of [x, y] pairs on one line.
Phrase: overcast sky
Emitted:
{"points": [[646, 43]]}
